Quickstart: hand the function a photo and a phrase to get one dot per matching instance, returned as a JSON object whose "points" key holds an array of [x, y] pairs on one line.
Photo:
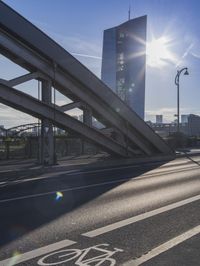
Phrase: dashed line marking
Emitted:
{"points": [[96, 185]]}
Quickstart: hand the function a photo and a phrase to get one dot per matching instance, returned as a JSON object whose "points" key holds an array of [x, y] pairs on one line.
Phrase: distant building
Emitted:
{"points": [[2, 130], [60, 131], [159, 119], [184, 118], [34, 131], [193, 125], [124, 61], [191, 128]]}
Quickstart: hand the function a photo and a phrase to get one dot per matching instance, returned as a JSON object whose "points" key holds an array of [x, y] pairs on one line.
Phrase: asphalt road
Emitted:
{"points": [[140, 215]]}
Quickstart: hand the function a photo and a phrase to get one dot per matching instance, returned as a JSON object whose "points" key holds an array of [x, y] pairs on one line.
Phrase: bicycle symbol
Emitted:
{"points": [[101, 256]]}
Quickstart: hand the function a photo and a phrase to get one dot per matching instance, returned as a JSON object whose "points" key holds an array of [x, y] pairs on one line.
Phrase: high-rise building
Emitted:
{"points": [[2, 130], [124, 61], [159, 119], [184, 118]]}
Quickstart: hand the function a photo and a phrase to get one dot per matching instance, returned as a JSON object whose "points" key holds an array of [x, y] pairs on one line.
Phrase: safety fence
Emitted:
{"points": [[29, 147]]}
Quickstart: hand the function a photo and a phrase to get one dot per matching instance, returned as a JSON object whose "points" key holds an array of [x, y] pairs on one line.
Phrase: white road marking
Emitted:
{"points": [[77, 171], [36, 253], [134, 219], [164, 247], [158, 171], [64, 190], [97, 184]]}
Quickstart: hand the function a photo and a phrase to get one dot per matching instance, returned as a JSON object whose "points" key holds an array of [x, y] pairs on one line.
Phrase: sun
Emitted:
{"points": [[158, 53]]}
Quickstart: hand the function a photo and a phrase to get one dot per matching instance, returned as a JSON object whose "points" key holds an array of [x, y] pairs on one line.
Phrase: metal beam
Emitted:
{"points": [[34, 107], [47, 153], [70, 106], [22, 79], [65, 81], [87, 116], [70, 75]]}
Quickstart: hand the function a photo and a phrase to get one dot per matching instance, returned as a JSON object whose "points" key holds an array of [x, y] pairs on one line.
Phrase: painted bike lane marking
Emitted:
{"points": [[81, 257], [164, 247], [57, 253], [64, 243], [36, 253]]}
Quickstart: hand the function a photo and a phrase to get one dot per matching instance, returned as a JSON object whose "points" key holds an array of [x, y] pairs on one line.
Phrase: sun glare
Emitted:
{"points": [[158, 53]]}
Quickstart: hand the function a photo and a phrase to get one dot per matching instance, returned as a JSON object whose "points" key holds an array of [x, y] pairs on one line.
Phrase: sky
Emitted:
{"points": [[78, 26]]}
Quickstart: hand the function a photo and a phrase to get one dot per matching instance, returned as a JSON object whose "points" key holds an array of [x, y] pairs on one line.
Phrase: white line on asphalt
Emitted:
{"points": [[63, 190], [134, 219], [93, 185], [36, 253], [108, 168], [164, 247], [164, 165], [160, 170], [78, 172]]}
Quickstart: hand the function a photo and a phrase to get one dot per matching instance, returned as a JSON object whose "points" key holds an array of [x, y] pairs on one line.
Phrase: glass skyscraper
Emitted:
{"points": [[124, 61]]}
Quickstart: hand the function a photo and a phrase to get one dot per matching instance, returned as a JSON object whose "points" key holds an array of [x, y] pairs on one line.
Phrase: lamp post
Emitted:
{"points": [[178, 101]]}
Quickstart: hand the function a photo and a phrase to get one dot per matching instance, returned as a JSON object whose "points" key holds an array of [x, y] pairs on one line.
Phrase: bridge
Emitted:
{"points": [[47, 62], [17, 130]]}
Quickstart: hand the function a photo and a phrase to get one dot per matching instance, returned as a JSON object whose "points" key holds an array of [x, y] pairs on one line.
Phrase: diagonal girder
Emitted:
{"points": [[36, 108], [28, 46], [32, 61]]}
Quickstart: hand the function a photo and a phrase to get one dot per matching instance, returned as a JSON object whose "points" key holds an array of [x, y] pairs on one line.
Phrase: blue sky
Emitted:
{"points": [[78, 26]]}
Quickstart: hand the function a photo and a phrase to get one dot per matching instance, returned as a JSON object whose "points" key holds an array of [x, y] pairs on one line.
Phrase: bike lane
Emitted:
{"points": [[186, 253], [134, 241]]}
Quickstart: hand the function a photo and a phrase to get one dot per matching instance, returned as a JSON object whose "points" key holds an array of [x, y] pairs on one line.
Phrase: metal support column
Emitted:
{"points": [[47, 138], [87, 116]]}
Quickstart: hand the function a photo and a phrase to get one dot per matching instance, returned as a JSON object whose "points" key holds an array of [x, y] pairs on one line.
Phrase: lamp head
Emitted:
{"points": [[186, 72]]}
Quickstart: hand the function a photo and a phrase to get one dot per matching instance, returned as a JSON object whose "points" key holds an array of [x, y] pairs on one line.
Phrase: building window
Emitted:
{"points": [[120, 67], [121, 82], [132, 85], [122, 94], [121, 35], [121, 56], [120, 60]]}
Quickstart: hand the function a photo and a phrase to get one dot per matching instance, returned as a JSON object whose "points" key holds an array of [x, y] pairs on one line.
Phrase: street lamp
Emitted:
{"points": [[177, 84]]}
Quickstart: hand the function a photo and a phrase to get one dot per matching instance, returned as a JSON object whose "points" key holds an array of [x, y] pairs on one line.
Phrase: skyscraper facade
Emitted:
{"points": [[159, 119], [124, 61]]}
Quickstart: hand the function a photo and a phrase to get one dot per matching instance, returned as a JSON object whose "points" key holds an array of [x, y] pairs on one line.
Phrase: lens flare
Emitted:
{"points": [[15, 258], [59, 195], [158, 53]]}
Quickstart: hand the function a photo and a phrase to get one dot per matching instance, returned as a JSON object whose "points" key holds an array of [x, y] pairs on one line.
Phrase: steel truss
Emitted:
{"points": [[49, 63]]}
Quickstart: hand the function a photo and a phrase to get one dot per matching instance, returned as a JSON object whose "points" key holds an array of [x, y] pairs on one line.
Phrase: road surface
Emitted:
{"points": [[127, 215]]}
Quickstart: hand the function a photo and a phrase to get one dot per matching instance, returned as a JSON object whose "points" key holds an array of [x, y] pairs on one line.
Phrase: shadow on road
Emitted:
{"points": [[20, 217]]}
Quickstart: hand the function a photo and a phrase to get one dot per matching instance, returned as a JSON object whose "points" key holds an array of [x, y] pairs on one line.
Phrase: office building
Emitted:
{"points": [[2, 130], [159, 119], [184, 118], [124, 61]]}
